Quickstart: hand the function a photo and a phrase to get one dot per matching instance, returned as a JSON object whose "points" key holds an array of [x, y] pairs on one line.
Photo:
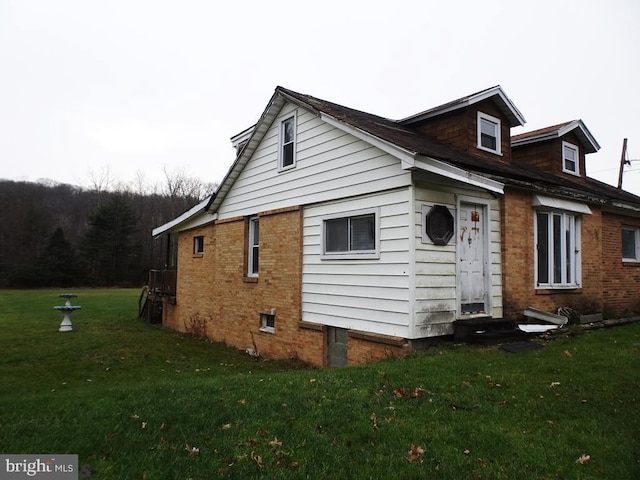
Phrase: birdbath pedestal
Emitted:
{"points": [[67, 309]]}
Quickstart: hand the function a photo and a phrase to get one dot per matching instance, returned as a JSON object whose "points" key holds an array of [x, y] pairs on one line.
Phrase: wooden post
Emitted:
{"points": [[622, 162]]}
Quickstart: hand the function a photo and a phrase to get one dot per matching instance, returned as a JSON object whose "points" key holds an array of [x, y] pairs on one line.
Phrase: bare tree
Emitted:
{"points": [[101, 181], [184, 190]]}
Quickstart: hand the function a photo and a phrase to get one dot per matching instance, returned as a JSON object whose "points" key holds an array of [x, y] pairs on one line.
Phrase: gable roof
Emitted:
{"points": [[416, 150], [556, 131], [389, 135], [506, 105], [419, 151]]}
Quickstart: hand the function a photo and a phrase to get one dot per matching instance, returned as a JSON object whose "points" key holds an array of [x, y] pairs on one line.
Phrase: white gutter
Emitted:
{"points": [[192, 212], [446, 170]]}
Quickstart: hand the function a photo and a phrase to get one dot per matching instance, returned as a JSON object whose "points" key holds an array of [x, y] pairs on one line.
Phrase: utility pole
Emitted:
{"points": [[623, 161]]}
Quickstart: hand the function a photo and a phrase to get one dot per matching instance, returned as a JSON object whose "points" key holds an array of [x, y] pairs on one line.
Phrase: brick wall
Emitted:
{"points": [[364, 348], [518, 261], [215, 298], [547, 156], [621, 280]]}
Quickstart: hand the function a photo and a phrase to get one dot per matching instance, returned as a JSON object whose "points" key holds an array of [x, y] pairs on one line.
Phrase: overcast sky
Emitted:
{"points": [[138, 86]]}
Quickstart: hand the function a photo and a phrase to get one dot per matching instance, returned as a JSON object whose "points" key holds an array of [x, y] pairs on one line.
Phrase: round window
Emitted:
{"points": [[439, 224]]}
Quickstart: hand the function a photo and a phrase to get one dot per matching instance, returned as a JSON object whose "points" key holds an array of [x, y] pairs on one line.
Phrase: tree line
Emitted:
{"points": [[60, 235]]}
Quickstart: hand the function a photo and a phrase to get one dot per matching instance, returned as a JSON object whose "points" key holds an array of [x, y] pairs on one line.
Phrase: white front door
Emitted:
{"points": [[473, 239]]}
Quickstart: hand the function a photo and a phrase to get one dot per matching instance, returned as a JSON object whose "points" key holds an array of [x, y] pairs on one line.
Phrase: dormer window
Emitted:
{"points": [[570, 156], [489, 133], [287, 149]]}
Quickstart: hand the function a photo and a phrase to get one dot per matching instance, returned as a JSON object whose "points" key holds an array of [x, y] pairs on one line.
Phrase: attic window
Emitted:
{"points": [[287, 150], [570, 157], [489, 133]]}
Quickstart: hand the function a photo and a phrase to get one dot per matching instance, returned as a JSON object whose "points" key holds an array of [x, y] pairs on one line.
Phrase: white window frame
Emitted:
{"points": [[293, 117], [483, 117], [352, 254], [198, 245], [636, 236], [565, 169], [253, 248], [574, 221]]}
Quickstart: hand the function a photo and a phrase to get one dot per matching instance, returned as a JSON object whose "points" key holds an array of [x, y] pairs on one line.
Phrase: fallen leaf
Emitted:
{"points": [[144, 425], [135, 417], [191, 449], [275, 443], [583, 459], [554, 384], [417, 392], [257, 459], [243, 401], [226, 426], [374, 419], [414, 453], [466, 451], [398, 392], [568, 353]]}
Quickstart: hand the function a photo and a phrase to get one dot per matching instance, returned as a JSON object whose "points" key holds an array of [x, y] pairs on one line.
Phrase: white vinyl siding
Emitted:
{"points": [[436, 306], [328, 164], [371, 295]]}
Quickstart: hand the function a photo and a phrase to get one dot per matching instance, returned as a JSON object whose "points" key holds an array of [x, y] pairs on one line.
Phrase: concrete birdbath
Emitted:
{"points": [[67, 309]]}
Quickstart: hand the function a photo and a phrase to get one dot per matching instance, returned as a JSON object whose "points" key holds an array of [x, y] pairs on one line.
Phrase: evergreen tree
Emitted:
{"points": [[109, 245], [58, 264]]}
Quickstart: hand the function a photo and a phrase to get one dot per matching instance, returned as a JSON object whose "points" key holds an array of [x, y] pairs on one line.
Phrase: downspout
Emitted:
{"points": [[412, 260]]}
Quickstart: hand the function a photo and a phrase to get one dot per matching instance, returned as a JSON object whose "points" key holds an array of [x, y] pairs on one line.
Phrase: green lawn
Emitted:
{"points": [[136, 401]]}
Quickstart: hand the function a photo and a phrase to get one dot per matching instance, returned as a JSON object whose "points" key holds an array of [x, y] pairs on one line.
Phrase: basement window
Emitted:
{"points": [[268, 322]]}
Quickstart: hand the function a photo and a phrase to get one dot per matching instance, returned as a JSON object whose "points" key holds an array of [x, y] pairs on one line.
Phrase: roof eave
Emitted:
{"points": [[182, 218], [588, 140], [515, 116], [259, 129]]}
